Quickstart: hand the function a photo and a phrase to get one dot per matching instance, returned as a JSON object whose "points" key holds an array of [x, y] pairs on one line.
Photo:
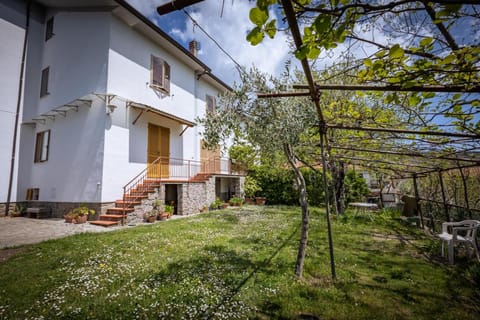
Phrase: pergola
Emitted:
{"points": [[453, 150]]}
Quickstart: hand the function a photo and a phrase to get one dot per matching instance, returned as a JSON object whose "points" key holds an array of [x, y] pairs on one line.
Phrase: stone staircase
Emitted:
{"points": [[118, 214]]}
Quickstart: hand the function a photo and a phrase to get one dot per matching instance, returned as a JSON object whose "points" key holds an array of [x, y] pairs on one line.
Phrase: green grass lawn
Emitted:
{"points": [[239, 264]]}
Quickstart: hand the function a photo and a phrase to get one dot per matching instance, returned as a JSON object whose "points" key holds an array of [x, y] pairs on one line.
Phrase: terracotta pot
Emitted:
{"points": [[151, 219], [80, 219], [163, 216], [260, 201], [249, 201]]}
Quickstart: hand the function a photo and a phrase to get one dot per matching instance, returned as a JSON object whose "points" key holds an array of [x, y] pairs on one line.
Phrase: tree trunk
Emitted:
{"points": [[302, 195], [338, 177]]}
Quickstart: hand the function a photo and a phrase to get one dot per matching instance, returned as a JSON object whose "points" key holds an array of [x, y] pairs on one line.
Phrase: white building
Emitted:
{"points": [[104, 93]]}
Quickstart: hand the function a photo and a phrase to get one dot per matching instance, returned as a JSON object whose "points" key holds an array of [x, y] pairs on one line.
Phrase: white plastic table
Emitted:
{"points": [[363, 208]]}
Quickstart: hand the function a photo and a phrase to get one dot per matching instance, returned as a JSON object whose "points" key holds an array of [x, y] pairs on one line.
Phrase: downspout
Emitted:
{"points": [[19, 101]]}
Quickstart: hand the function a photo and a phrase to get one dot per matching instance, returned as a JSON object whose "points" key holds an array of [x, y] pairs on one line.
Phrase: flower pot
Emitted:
{"points": [[249, 201], [260, 201], [163, 216], [151, 219], [68, 219], [80, 219]]}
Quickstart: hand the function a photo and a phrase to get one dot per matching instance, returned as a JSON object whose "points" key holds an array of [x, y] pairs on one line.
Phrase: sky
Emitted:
{"points": [[228, 28]]}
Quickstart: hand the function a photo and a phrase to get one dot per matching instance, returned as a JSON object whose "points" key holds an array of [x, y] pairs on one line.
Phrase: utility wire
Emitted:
{"points": [[240, 69]]}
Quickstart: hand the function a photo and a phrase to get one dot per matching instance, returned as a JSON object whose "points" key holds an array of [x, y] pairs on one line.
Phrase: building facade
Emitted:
{"points": [[103, 95]]}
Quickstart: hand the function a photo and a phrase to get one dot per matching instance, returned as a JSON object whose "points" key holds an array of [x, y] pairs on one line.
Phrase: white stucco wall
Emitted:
{"points": [[11, 39], [77, 57], [129, 72], [128, 77], [73, 171]]}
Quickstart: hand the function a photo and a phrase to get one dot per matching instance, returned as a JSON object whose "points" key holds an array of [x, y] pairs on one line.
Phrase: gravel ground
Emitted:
{"points": [[20, 231]]}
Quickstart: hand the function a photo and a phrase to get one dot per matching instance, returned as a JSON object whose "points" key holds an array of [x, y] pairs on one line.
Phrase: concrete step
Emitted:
{"points": [[111, 217], [128, 204], [103, 223], [119, 210]]}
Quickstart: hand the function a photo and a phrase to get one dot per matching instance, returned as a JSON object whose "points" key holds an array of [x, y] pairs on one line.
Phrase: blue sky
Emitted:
{"points": [[229, 29]]}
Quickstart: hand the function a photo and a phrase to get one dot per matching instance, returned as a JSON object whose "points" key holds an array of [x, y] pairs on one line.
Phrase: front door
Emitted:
{"points": [[210, 159], [158, 151]]}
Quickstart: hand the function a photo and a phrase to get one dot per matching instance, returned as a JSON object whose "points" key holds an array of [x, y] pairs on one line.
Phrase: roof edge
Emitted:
{"points": [[162, 33]]}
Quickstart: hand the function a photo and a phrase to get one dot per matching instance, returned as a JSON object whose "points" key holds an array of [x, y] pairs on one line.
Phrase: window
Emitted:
{"points": [[41, 146], [49, 29], [210, 103], [44, 82], [33, 194], [160, 75]]}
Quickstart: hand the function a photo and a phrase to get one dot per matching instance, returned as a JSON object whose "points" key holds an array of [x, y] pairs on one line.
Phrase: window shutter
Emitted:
{"points": [[44, 82], [210, 103], [49, 29], [157, 72], [166, 76], [160, 74], [41, 146], [38, 147]]}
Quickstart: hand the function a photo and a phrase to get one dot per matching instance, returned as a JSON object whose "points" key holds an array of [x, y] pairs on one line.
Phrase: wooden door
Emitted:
{"points": [[210, 159], [158, 151]]}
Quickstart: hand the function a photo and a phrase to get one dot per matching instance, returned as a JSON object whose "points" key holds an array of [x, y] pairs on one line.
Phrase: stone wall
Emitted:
{"points": [[58, 209], [191, 198]]}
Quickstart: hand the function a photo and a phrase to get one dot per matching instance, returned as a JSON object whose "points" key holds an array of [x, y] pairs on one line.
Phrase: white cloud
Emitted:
{"points": [[229, 29]]}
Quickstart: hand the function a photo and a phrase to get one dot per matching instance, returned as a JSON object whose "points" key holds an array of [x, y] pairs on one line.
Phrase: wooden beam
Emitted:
{"points": [[418, 132], [175, 5], [360, 87]]}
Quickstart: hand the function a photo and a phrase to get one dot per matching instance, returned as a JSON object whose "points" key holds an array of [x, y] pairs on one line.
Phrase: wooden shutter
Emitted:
{"points": [[160, 74], [41, 146], [210, 103], [49, 29], [44, 82], [156, 72], [166, 77]]}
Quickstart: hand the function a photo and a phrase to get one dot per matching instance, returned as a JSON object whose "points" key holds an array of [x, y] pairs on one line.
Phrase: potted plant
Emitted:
{"points": [[217, 204], [250, 188], [260, 201], [79, 214], [150, 215], [236, 201], [168, 210], [19, 210]]}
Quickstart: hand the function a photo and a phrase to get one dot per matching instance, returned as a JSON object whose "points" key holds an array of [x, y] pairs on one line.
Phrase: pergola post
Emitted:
{"points": [[465, 191], [417, 200], [444, 199]]}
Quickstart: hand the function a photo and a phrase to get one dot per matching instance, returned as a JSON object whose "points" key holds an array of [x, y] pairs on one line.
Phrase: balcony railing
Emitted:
{"points": [[173, 169]]}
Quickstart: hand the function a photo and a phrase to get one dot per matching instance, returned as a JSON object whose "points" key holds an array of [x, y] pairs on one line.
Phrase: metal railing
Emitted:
{"points": [[170, 169]]}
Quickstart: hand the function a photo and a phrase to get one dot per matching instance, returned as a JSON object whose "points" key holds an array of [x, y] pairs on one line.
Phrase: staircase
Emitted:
{"points": [[141, 186], [134, 197]]}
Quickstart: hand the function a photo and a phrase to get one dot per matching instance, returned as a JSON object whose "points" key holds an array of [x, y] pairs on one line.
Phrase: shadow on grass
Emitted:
{"points": [[221, 273]]}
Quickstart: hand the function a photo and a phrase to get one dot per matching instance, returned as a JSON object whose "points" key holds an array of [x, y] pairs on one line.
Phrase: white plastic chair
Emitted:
{"points": [[468, 232]]}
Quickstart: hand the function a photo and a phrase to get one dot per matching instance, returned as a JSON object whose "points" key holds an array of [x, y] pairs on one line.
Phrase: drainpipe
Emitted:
{"points": [[19, 101]]}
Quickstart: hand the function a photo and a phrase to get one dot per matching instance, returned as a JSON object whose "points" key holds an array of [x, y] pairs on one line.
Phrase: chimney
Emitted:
{"points": [[193, 47]]}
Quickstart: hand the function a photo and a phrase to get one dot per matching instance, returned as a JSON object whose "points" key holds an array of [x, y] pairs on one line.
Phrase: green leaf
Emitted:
{"points": [[264, 4], [457, 108], [322, 23], [368, 62], [426, 41], [255, 36], [271, 28], [457, 96], [313, 52], [396, 52], [258, 16], [302, 52]]}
